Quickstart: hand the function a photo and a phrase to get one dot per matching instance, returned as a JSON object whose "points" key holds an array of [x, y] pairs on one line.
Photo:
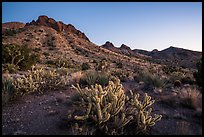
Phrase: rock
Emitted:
{"points": [[19, 132], [52, 112], [123, 46], [58, 26], [40, 103]]}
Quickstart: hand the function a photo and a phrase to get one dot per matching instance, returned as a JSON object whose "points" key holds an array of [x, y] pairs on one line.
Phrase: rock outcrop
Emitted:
{"points": [[58, 26]]}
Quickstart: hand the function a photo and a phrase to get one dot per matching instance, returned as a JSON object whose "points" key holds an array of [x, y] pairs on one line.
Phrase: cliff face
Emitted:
{"points": [[58, 26]]}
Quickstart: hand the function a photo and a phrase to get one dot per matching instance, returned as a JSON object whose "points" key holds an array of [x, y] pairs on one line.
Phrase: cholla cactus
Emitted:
{"points": [[104, 104], [144, 119], [111, 109], [39, 79]]}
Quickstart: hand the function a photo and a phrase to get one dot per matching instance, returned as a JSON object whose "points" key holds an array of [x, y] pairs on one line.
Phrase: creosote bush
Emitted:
{"points": [[109, 110]]}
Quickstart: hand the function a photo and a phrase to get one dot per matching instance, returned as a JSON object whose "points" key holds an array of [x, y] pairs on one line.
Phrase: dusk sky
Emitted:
{"points": [[140, 25]]}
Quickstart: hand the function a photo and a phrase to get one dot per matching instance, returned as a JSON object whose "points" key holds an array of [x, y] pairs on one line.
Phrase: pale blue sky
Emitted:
{"points": [[140, 25]]}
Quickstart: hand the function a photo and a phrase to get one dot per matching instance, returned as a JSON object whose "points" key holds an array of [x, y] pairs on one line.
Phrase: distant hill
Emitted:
{"points": [[172, 56], [177, 57], [12, 26]]}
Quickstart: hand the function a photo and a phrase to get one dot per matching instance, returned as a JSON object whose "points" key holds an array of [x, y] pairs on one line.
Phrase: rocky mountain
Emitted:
{"points": [[177, 57], [172, 56], [54, 39]]}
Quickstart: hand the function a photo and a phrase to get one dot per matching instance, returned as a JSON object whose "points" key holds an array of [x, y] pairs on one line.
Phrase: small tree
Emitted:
{"points": [[18, 55]]}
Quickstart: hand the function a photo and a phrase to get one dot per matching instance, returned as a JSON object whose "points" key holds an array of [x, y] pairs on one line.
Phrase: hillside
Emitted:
{"points": [[46, 100]]}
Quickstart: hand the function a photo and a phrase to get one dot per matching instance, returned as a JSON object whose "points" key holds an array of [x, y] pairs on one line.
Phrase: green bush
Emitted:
{"points": [[85, 66], [20, 56], [150, 79], [89, 79], [8, 89], [92, 78], [103, 79], [111, 112]]}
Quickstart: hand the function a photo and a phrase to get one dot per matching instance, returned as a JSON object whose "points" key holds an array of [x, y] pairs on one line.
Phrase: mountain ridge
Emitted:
{"points": [[46, 33]]}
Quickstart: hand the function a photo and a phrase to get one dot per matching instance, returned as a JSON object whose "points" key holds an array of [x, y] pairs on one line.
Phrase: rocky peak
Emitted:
{"points": [[108, 45], [155, 50], [123, 46], [57, 25]]}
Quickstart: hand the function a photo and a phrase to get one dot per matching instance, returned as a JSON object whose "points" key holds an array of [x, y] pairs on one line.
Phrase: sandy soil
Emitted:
{"points": [[47, 115]]}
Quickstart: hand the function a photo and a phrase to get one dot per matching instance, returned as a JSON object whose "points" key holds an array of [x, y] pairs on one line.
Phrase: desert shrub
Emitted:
{"points": [[46, 54], [8, 89], [119, 64], [190, 97], [92, 78], [177, 83], [111, 112], [198, 74], [37, 49], [89, 79], [50, 62], [170, 69], [10, 32], [85, 66], [102, 65], [176, 76], [94, 61], [20, 56], [40, 30], [39, 79], [60, 63], [11, 68], [187, 80], [103, 79], [150, 79], [122, 75]]}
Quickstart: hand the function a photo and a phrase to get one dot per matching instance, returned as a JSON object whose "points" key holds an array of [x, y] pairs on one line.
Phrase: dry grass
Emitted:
{"points": [[190, 97], [170, 100]]}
